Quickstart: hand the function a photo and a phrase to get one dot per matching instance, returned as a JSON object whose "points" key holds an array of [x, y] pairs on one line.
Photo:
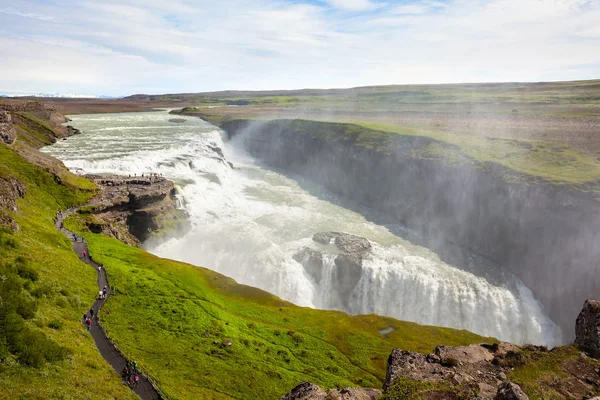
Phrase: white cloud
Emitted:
{"points": [[24, 14], [353, 5]]}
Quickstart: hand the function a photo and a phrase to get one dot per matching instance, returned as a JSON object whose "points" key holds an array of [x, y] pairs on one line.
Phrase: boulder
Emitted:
{"points": [[305, 391], [8, 134], [466, 354], [510, 391], [346, 242], [354, 394], [415, 366], [324, 237], [177, 120], [352, 244], [587, 328], [312, 261]]}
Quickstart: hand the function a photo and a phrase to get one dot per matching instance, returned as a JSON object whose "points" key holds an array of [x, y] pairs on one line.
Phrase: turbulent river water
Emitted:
{"points": [[247, 222]]}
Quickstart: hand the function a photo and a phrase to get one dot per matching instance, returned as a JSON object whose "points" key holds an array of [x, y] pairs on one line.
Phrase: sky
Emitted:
{"points": [[124, 47]]}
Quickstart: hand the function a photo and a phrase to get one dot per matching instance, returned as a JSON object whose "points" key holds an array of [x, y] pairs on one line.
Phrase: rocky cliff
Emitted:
{"points": [[133, 209], [7, 129], [545, 234]]}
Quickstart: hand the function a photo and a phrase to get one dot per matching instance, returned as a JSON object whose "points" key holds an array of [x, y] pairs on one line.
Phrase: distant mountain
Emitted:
{"points": [[64, 95]]}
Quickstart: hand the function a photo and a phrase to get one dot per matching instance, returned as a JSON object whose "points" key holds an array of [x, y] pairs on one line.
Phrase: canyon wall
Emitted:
{"points": [[545, 234]]}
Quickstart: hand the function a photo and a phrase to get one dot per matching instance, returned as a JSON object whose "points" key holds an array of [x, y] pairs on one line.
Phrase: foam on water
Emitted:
{"points": [[248, 222]]}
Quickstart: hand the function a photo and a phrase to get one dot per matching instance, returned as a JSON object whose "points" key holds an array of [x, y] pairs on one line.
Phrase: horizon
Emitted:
{"points": [[39, 94], [151, 47]]}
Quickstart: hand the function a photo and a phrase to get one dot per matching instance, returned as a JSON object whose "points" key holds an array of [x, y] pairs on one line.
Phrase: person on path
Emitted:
{"points": [[82, 239], [88, 323], [104, 292], [99, 294], [125, 373], [84, 254], [91, 313], [75, 236], [136, 380]]}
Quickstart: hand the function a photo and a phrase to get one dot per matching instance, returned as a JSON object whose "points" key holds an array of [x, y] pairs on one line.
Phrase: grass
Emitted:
{"points": [[61, 287], [174, 319], [550, 161]]}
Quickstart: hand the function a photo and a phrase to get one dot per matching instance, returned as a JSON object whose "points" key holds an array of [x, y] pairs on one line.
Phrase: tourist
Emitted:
{"points": [[125, 373], [88, 323], [91, 313], [99, 294], [104, 292], [136, 380]]}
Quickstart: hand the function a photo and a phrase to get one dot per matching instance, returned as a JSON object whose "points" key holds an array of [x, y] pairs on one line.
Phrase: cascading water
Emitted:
{"points": [[248, 222]]}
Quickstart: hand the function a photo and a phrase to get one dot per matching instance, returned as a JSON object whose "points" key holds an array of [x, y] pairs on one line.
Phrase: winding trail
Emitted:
{"points": [[111, 354]]}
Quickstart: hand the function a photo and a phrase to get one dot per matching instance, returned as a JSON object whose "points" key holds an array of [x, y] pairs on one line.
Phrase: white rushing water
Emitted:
{"points": [[248, 222]]}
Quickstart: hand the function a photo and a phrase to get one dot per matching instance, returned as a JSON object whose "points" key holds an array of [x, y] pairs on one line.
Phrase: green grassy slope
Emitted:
{"points": [[63, 290], [174, 318]]}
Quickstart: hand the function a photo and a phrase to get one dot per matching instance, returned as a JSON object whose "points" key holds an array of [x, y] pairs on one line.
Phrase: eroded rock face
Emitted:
{"points": [[352, 244], [305, 391], [473, 370], [354, 394], [132, 208], [309, 391], [347, 274], [587, 328], [510, 391], [8, 134], [348, 264], [11, 189], [312, 261]]}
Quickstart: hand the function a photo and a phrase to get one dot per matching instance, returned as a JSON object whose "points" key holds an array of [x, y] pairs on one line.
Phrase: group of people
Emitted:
{"points": [[103, 293], [89, 319], [76, 238], [130, 374]]}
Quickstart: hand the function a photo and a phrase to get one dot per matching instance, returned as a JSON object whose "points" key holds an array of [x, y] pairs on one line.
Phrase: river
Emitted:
{"points": [[247, 222]]}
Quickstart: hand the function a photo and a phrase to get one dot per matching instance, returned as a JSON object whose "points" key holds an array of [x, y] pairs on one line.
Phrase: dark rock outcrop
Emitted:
{"points": [[11, 189], [7, 130], [348, 264], [352, 244], [539, 231], [354, 394], [470, 370], [309, 391], [177, 120], [587, 328], [132, 209], [305, 391], [510, 391], [312, 261]]}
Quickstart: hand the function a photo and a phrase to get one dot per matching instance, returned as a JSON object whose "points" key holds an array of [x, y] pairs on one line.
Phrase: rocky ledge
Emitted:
{"points": [[348, 264], [7, 129], [482, 371], [132, 209]]}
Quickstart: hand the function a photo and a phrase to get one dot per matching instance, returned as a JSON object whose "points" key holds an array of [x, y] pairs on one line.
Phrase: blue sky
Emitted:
{"points": [[120, 47]]}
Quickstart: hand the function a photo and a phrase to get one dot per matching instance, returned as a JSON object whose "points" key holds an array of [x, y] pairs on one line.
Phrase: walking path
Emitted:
{"points": [[108, 350]]}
